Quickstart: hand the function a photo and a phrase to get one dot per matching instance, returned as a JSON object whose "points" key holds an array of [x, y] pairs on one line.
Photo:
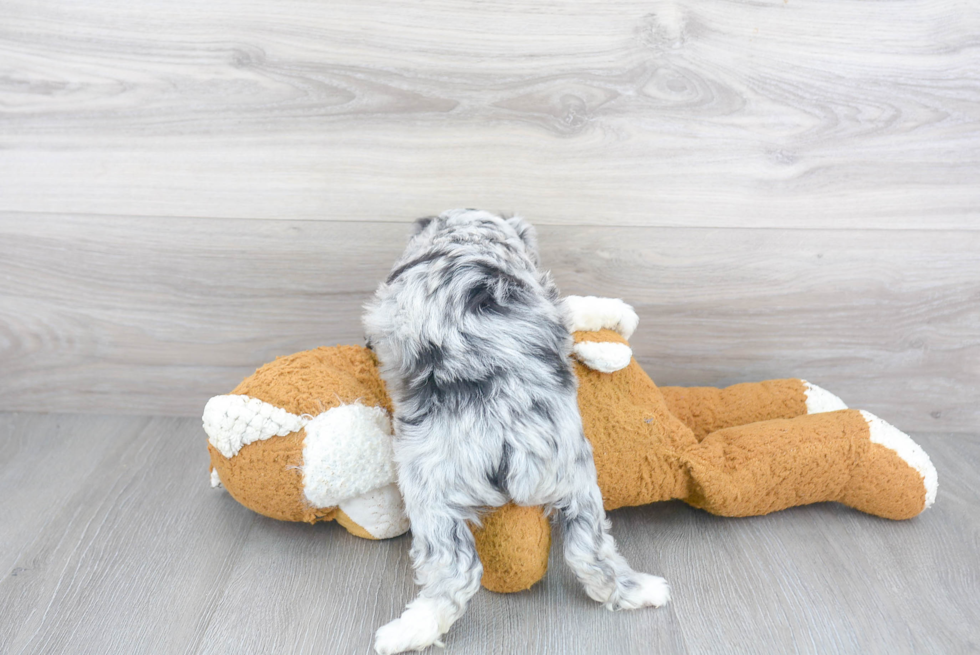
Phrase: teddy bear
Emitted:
{"points": [[308, 438]]}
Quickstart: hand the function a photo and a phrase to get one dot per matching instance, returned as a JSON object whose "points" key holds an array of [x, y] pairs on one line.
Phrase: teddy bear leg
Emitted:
{"points": [[846, 456], [893, 461], [513, 543], [707, 409]]}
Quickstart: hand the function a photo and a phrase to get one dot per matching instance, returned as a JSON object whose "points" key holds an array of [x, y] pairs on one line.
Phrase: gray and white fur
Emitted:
{"points": [[476, 358]]}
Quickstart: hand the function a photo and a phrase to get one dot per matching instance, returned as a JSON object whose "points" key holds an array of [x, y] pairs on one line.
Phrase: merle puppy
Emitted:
{"points": [[475, 354]]}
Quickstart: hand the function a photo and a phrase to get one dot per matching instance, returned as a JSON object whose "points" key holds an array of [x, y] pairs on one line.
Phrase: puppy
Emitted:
{"points": [[475, 356]]}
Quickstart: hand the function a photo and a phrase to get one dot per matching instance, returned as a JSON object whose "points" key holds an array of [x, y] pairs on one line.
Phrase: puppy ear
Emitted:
{"points": [[421, 224], [528, 235]]}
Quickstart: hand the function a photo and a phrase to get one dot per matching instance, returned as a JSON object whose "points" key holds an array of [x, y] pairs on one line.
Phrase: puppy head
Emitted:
{"points": [[474, 224]]}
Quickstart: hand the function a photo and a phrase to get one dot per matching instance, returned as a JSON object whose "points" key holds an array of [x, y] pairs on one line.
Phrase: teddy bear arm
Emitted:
{"points": [[707, 409], [513, 544]]}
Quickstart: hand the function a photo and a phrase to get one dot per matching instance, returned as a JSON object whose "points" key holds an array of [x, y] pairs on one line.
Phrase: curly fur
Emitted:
{"points": [[475, 355]]}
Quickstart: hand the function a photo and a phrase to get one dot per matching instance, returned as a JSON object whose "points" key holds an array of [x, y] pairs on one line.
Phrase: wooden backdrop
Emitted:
{"points": [[781, 187]]}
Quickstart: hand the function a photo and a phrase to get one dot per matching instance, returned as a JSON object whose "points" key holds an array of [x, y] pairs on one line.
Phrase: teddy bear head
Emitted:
{"points": [[313, 444]]}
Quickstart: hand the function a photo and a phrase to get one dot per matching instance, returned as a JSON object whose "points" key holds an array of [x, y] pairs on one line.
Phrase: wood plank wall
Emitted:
{"points": [[782, 188]]}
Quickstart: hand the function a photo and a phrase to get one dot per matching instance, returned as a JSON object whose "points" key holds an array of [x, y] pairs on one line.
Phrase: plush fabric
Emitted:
{"points": [[745, 450]]}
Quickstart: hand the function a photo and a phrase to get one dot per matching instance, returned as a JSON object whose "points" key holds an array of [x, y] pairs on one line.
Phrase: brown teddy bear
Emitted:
{"points": [[308, 438]]}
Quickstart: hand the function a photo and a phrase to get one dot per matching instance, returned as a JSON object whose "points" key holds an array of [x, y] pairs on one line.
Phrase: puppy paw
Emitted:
{"points": [[416, 629], [641, 590]]}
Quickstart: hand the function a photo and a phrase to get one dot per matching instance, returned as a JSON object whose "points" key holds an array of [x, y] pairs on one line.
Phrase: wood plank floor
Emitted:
{"points": [[111, 541]]}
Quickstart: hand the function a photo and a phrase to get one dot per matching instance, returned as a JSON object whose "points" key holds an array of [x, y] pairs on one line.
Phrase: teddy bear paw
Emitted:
{"points": [[589, 314], [416, 629], [819, 400], [603, 356], [641, 590]]}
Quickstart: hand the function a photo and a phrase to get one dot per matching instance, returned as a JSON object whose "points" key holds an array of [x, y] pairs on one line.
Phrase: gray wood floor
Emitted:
{"points": [[111, 541], [188, 190]]}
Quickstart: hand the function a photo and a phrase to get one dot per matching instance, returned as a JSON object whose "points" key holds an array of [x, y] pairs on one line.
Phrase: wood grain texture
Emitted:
{"points": [[721, 113], [124, 560], [132, 552], [154, 316]]}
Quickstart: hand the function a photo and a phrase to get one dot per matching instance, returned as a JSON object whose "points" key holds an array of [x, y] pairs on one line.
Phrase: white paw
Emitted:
{"points": [[589, 314], [645, 591], [603, 356], [819, 400], [416, 629]]}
